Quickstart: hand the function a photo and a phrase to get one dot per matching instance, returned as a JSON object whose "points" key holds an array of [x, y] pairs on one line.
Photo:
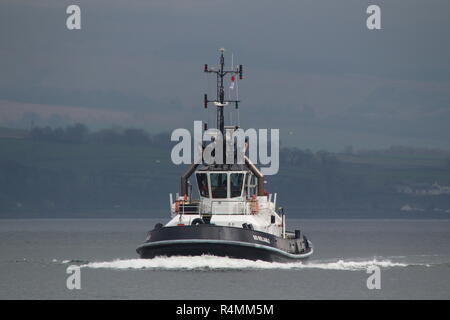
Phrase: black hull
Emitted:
{"points": [[223, 241]]}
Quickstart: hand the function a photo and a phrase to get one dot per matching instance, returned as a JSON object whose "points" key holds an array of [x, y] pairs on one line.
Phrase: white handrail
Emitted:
{"points": [[242, 209]]}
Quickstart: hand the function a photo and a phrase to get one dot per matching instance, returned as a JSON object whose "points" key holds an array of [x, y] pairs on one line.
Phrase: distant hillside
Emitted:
{"points": [[72, 172], [12, 133]]}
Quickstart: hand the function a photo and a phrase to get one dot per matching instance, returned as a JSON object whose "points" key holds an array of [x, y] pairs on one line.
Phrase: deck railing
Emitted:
{"points": [[216, 207], [237, 207]]}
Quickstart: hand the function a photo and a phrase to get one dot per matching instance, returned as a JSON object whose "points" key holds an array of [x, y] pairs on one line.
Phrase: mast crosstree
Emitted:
{"points": [[220, 100]]}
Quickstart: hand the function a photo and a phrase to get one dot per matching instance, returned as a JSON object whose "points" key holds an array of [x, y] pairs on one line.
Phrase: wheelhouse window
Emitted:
{"points": [[219, 182], [236, 181], [202, 182], [251, 185]]}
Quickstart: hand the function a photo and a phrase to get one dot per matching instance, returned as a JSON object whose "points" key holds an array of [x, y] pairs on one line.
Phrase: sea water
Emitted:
{"points": [[413, 257]]}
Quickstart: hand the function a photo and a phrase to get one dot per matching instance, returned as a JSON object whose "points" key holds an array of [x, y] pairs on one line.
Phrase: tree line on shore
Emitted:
{"points": [[126, 171]]}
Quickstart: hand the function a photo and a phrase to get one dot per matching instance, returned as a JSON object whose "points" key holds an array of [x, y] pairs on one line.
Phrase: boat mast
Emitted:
{"points": [[220, 100]]}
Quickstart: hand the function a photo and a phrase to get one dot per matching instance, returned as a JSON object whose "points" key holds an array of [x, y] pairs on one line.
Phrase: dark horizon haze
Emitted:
{"points": [[312, 68]]}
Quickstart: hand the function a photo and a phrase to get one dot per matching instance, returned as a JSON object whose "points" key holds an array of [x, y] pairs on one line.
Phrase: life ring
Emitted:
{"points": [[177, 206], [254, 205], [179, 202]]}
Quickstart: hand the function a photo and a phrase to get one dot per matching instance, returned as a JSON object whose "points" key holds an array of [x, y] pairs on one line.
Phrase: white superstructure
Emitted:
{"points": [[228, 198]]}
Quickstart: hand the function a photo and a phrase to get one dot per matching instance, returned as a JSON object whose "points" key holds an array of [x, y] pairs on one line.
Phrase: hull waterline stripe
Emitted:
{"points": [[239, 243]]}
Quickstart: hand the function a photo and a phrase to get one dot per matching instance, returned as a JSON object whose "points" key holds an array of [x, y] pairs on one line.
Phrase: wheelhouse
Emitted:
{"points": [[233, 185]]}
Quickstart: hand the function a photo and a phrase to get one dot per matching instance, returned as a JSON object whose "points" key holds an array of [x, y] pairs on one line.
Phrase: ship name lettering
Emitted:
{"points": [[260, 238]]}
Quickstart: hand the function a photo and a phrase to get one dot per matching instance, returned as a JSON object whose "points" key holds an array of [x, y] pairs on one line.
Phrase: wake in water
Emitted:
{"points": [[207, 262]]}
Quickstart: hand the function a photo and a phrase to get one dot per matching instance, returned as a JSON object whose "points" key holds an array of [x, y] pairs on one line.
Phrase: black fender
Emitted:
{"points": [[197, 221]]}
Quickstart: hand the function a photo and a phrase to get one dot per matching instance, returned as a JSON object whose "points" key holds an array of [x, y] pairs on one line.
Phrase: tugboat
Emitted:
{"points": [[233, 216]]}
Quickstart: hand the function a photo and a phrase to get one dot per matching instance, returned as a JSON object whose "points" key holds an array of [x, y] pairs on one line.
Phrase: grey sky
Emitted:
{"points": [[313, 69]]}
